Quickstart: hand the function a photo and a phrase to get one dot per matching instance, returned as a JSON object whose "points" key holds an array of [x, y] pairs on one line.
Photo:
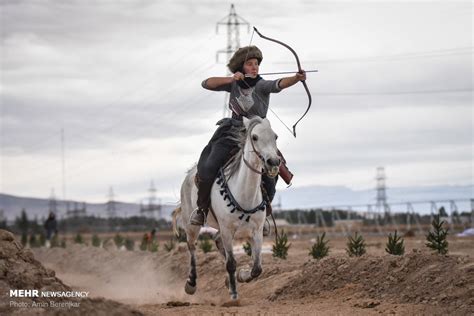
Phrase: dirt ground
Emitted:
{"points": [[418, 283]]}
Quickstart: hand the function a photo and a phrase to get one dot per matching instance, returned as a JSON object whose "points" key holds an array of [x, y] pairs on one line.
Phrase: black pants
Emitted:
{"points": [[218, 151]]}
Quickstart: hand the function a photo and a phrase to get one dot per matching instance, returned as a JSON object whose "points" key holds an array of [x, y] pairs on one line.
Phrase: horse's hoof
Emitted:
{"points": [[189, 289], [244, 276], [234, 297], [231, 303]]}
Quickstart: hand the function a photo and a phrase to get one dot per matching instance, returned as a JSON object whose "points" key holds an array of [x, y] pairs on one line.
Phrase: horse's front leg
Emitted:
{"points": [[246, 275], [231, 264]]}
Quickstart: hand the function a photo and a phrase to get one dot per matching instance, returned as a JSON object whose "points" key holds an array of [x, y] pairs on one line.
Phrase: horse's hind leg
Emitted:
{"points": [[231, 264], [246, 275], [192, 233]]}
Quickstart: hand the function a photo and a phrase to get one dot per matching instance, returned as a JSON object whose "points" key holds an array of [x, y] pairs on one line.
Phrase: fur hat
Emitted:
{"points": [[242, 55]]}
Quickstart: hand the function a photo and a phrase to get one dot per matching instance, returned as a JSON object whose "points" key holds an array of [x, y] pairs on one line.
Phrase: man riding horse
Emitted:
{"points": [[249, 96]]}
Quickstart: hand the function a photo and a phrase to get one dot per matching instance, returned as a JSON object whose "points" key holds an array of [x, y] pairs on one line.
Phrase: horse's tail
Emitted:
{"points": [[176, 212]]}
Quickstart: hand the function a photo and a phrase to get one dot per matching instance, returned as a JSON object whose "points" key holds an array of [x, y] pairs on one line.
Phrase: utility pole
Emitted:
{"points": [[233, 22], [150, 209], [111, 210], [382, 193], [63, 164]]}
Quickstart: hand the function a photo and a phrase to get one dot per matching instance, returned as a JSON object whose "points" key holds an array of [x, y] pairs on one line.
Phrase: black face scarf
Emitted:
{"points": [[248, 82]]}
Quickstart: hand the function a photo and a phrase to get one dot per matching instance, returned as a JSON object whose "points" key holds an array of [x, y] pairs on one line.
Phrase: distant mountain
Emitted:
{"points": [[302, 197], [314, 196], [12, 206]]}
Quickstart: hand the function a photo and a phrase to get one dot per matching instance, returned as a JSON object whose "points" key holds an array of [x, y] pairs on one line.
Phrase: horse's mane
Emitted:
{"points": [[239, 135]]}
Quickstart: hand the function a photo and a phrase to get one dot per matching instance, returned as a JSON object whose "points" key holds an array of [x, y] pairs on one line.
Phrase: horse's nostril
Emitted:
{"points": [[273, 162]]}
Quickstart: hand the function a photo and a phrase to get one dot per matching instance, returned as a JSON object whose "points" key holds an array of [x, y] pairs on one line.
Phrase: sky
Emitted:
{"points": [[123, 80]]}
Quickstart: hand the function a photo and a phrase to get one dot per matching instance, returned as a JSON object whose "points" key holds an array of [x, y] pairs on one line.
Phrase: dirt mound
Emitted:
{"points": [[20, 270], [421, 278]]}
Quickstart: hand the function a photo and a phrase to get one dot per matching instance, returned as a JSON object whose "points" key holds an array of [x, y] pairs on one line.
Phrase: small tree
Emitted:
{"points": [[356, 245], [129, 244], [437, 238], [320, 248], [33, 241], [144, 243], [154, 246], [24, 239], [118, 240], [170, 245], [181, 235], [395, 245], [55, 241], [78, 239], [42, 240], [95, 241], [205, 244], [247, 249], [280, 248]]}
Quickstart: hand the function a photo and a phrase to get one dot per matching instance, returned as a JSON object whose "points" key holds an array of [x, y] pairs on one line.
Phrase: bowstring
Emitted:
{"points": [[256, 95]]}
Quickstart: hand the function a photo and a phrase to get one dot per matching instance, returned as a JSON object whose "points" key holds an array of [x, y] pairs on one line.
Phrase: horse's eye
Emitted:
{"points": [[276, 136], [254, 138]]}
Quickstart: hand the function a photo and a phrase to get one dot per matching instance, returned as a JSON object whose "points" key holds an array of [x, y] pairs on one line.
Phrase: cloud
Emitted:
{"points": [[123, 80]]}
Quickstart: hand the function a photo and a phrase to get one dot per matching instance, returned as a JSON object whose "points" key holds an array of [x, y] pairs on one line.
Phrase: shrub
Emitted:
{"points": [[24, 239], [170, 245], [356, 245], [129, 244], [95, 241], [154, 246], [42, 240], [247, 248], [395, 245], [437, 238], [118, 240], [205, 244], [33, 241], [320, 248], [78, 239], [281, 246], [55, 241]]}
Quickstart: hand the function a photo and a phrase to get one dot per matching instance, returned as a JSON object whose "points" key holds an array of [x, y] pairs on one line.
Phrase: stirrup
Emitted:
{"points": [[195, 219], [266, 227]]}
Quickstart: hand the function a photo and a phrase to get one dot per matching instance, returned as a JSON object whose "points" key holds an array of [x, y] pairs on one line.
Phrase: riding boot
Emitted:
{"points": [[198, 217]]}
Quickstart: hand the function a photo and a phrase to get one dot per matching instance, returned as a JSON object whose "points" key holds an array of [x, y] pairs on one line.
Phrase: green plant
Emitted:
{"points": [[170, 245], [95, 241], [129, 244], [356, 245], [144, 243], [437, 238], [320, 248], [205, 244], [55, 241], [42, 240], [78, 239], [24, 239], [395, 245], [181, 235], [33, 241], [118, 240], [281, 246], [154, 246], [247, 248]]}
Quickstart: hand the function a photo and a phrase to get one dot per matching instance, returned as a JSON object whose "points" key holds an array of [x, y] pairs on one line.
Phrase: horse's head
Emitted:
{"points": [[262, 140]]}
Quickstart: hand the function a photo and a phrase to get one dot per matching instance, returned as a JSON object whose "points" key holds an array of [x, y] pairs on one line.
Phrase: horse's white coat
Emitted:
{"points": [[245, 187]]}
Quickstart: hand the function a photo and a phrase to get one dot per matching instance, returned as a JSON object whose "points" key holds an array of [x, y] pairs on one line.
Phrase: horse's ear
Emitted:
{"points": [[246, 122]]}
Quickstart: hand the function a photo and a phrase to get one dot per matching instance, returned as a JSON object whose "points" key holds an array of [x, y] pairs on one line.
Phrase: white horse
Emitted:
{"points": [[236, 201]]}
